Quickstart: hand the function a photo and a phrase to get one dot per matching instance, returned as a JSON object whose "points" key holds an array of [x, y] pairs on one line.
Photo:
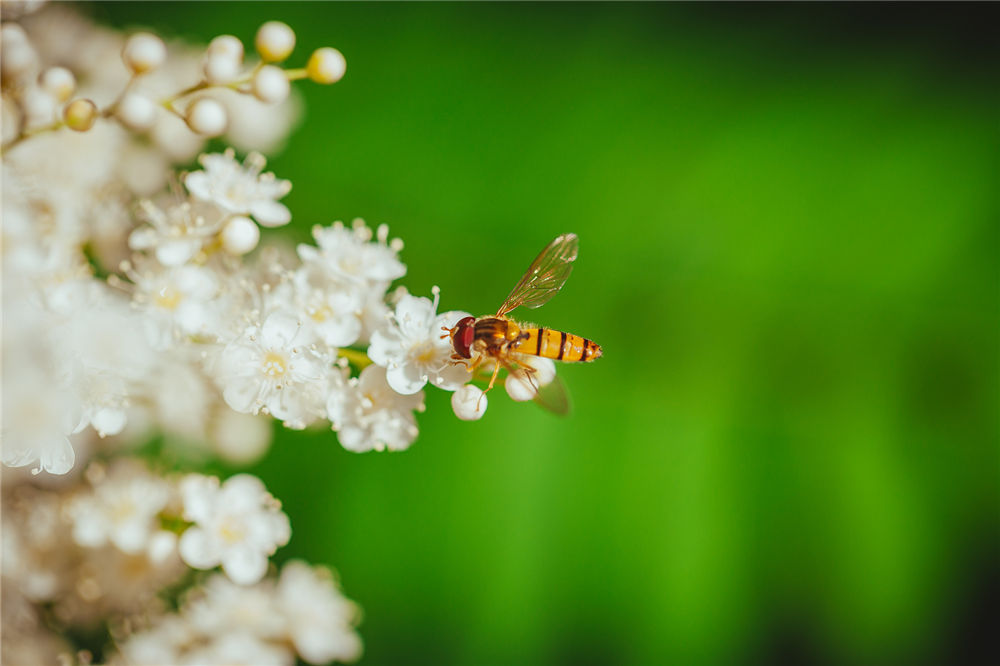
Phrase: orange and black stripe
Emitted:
{"points": [[557, 345]]}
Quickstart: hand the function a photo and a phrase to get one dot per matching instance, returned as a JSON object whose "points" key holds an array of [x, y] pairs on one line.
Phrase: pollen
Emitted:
{"points": [[275, 364], [168, 298]]}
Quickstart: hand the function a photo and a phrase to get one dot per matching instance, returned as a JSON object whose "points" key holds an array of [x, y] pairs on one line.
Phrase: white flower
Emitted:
{"points": [[238, 525], [121, 509], [179, 302], [367, 414], [319, 619], [240, 189], [221, 606], [333, 311], [38, 418], [239, 649], [179, 232], [347, 255], [274, 367], [411, 349]]}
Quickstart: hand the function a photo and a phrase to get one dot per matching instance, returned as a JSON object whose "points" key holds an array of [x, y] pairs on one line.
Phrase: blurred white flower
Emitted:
{"points": [[122, 508], [348, 255], [241, 189], [177, 301], [319, 620], [410, 347], [369, 415], [238, 525], [221, 607], [178, 231]]}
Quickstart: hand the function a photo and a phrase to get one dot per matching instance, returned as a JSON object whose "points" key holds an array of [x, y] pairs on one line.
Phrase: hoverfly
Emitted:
{"points": [[500, 339]]}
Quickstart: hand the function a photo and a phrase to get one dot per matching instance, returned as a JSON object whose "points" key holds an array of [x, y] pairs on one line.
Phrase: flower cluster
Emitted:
{"points": [[140, 305], [108, 544]]}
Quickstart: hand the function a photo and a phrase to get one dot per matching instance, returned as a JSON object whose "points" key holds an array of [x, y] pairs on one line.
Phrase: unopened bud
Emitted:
{"points": [[275, 41], [326, 65], [226, 45], [207, 117], [80, 115], [270, 84], [240, 235], [136, 111], [58, 82], [221, 68], [143, 52]]}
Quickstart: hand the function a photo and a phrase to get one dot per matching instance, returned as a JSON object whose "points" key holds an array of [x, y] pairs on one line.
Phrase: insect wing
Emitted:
{"points": [[546, 275], [553, 397]]}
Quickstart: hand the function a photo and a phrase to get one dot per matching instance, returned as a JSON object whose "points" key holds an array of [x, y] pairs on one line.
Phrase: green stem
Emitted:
{"points": [[355, 357]]}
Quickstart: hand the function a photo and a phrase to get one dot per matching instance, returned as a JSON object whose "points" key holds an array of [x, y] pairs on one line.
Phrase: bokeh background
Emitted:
{"points": [[789, 250]]}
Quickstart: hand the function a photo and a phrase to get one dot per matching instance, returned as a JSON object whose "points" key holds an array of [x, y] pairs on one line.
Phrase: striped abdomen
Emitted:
{"points": [[556, 345]]}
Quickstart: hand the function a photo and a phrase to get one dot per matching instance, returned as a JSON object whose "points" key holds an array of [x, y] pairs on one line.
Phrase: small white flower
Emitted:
{"points": [[177, 233], [320, 621], [241, 189], [178, 301], [369, 415], [275, 367], [221, 606], [121, 509], [411, 349], [238, 525], [347, 255], [333, 311]]}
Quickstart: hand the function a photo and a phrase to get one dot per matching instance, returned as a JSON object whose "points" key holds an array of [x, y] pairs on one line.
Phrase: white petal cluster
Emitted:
{"points": [[273, 367], [237, 524], [301, 614], [240, 189], [369, 415], [123, 510]]}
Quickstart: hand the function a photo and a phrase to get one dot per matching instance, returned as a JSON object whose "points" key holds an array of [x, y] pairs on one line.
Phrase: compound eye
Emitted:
{"points": [[464, 337]]}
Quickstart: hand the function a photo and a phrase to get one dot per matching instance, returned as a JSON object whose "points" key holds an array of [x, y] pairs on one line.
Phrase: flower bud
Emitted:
{"points": [[469, 402], [226, 45], [80, 115], [207, 117], [275, 41], [240, 235], [17, 56], [136, 111], [270, 84], [58, 82], [143, 52], [326, 65], [221, 68], [519, 386]]}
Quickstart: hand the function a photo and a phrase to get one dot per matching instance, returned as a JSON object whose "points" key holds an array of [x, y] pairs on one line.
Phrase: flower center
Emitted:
{"points": [[275, 364], [168, 298], [423, 353], [231, 531], [321, 313]]}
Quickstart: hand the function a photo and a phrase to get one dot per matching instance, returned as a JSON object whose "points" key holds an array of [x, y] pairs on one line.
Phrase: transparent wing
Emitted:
{"points": [[553, 397], [545, 277]]}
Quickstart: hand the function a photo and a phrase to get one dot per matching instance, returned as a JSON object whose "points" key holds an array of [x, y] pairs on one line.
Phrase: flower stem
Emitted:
{"points": [[358, 358]]}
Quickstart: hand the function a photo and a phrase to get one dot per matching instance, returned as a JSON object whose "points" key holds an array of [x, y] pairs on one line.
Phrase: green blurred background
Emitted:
{"points": [[789, 251]]}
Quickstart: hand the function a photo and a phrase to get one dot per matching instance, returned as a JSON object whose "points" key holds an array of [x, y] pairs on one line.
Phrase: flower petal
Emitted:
{"points": [[270, 213], [197, 549], [245, 566]]}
